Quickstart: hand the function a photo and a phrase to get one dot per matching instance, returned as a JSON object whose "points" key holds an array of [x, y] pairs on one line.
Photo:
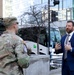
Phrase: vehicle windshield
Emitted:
{"points": [[32, 34]]}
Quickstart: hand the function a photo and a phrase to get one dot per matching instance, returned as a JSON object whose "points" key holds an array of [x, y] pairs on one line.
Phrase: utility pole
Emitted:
{"points": [[48, 34], [56, 2], [48, 26]]}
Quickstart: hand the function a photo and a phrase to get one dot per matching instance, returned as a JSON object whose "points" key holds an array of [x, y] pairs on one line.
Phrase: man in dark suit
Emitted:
{"points": [[67, 47]]}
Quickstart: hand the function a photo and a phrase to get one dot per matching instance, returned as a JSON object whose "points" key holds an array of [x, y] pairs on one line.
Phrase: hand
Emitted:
{"points": [[57, 46], [68, 47], [29, 51]]}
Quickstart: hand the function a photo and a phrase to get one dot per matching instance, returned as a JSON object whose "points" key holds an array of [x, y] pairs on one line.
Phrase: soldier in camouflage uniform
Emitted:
{"points": [[11, 49]]}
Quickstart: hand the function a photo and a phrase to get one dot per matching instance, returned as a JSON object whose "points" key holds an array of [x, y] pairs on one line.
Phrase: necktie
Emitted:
{"points": [[66, 42]]}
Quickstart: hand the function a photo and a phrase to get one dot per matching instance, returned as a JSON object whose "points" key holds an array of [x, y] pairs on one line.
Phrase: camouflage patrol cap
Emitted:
{"points": [[8, 21]]}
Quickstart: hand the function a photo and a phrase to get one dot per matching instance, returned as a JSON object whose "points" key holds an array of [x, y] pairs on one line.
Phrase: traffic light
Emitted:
{"points": [[56, 2], [54, 15]]}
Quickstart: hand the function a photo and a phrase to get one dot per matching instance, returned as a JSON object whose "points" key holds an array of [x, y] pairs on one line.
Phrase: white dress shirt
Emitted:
{"points": [[70, 35]]}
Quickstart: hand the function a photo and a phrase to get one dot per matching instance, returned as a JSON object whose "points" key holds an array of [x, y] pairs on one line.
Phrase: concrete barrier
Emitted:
{"points": [[39, 65]]}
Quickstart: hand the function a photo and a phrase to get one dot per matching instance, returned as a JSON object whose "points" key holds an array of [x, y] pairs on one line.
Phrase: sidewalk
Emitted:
{"points": [[55, 72]]}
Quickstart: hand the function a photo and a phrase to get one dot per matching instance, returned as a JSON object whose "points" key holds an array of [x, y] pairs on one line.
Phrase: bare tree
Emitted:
{"points": [[35, 17]]}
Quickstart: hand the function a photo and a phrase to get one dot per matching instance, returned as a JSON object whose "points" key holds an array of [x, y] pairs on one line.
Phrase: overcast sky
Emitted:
{"points": [[22, 5]]}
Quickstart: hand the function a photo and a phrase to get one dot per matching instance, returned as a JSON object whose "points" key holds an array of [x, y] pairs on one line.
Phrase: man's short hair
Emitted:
{"points": [[71, 22], [8, 21]]}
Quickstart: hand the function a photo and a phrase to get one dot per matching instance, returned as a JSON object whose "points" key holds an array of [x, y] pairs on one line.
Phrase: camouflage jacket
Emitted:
{"points": [[11, 46]]}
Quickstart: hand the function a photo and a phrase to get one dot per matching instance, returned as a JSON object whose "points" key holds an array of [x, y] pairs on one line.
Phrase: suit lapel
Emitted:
{"points": [[72, 37]]}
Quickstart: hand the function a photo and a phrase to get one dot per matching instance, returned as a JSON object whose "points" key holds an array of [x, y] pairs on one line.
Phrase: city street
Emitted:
{"points": [[42, 29], [55, 72]]}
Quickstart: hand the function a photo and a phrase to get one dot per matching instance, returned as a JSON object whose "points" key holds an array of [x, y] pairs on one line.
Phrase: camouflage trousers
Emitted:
{"points": [[10, 70]]}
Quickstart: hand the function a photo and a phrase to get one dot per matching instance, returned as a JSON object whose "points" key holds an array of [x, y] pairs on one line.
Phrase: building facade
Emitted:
{"points": [[17, 7], [5, 8], [1, 8]]}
